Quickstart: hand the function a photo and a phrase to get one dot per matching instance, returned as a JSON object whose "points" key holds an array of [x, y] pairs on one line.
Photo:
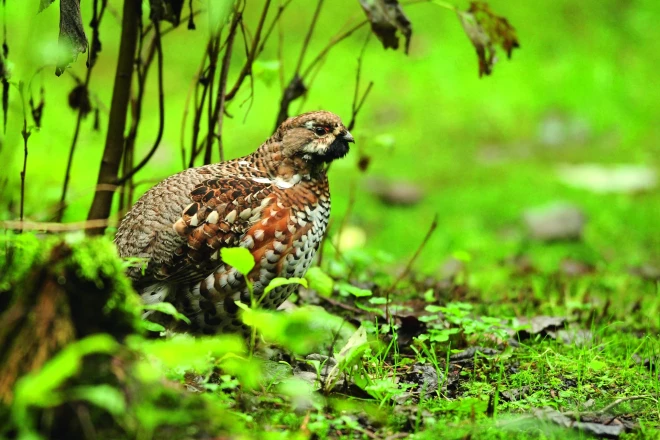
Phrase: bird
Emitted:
{"points": [[275, 202]]}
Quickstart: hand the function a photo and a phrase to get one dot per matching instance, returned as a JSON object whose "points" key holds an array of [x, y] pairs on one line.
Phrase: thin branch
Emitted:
{"points": [[247, 67], [161, 108], [356, 105], [218, 113], [26, 135], [308, 37], [198, 109], [280, 10], [333, 42], [408, 267], [213, 58]]}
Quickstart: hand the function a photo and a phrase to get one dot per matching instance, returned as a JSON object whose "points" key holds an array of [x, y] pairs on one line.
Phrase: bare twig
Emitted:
{"points": [[333, 42], [280, 10], [247, 67], [161, 109], [308, 37], [26, 135], [204, 80], [218, 113], [213, 58], [406, 271], [142, 67], [97, 16], [356, 105], [296, 87]]}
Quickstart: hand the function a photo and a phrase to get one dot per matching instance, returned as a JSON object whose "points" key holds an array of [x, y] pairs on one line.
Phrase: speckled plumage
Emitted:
{"points": [[274, 202]]}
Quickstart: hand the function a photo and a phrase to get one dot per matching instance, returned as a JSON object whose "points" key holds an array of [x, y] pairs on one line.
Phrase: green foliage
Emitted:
{"points": [[304, 330], [240, 258], [320, 281], [40, 389]]}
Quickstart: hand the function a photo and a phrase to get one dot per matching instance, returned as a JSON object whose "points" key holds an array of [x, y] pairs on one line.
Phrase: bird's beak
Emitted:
{"points": [[348, 137]]}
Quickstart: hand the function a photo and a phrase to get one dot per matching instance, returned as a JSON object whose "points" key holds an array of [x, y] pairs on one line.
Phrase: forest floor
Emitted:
{"points": [[357, 353]]}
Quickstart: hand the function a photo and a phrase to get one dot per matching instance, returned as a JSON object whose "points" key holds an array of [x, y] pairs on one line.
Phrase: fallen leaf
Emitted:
{"points": [[468, 354], [72, 38], [540, 325], [424, 377], [597, 429], [386, 18], [487, 30], [555, 221]]}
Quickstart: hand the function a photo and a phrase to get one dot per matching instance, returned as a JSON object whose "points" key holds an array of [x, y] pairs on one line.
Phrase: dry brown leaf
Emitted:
{"points": [[169, 10], [487, 30], [386, 18], [72, 34]]}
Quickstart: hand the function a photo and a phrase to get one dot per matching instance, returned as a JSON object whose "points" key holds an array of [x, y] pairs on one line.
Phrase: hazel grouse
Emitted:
{"points": [[275, 202]]}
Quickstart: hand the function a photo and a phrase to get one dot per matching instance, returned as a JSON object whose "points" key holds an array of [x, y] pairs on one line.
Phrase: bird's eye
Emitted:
{"points": [[320, 130]]}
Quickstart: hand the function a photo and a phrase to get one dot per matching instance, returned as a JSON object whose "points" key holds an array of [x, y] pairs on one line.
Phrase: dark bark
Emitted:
{"points": [[114, 144]]}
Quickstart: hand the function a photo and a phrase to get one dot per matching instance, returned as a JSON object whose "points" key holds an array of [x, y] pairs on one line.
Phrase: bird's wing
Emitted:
{"points": [[221, 213]]}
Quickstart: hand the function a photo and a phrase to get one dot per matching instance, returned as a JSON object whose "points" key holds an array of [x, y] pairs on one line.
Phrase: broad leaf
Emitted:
{"points": [[320, 281], [239, 258], [277, 282], [168, 309]]}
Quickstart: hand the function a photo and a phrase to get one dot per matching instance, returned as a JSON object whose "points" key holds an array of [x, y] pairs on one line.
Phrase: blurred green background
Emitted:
{"points": [[583, 88]]}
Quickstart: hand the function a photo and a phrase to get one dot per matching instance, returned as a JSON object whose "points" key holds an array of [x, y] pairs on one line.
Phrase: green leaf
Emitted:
{"points": [[152, 326], [168, 309], [239, 258], [188, 352], [277, 282], [39, 388], [103, 396], [320, 281], [346, 289]]}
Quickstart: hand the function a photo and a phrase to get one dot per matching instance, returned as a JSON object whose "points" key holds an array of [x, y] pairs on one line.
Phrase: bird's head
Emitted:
{"points": [[318, 137]]}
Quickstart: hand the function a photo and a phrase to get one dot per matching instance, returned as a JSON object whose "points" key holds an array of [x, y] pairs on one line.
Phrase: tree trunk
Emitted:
{"points": [[114, 143]]}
